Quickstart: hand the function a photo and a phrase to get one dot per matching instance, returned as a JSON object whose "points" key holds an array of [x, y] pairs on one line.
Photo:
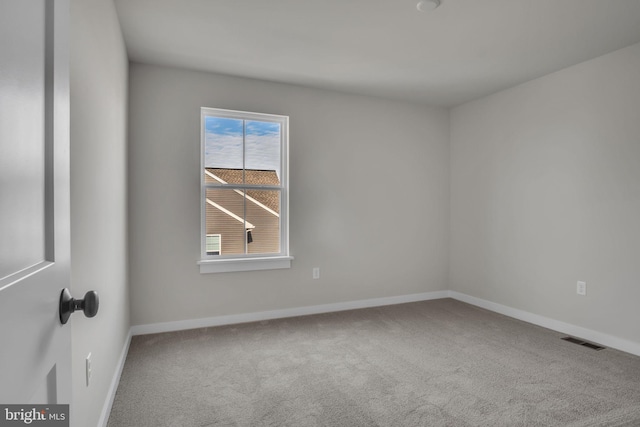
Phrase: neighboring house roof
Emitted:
{"points": [[268, 199], [253, 176]]}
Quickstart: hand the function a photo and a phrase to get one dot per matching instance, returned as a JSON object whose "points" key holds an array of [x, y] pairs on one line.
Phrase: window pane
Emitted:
{"points": [[225, 217], [263, 212], [262, 151], [224, 145], [227, 226]]}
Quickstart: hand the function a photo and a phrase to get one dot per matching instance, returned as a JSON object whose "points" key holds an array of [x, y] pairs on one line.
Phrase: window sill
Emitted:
{"points": [[244, 264]]}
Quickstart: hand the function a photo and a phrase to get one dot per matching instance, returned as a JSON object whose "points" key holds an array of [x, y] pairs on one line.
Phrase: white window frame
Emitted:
{"points": [[247, 262]]}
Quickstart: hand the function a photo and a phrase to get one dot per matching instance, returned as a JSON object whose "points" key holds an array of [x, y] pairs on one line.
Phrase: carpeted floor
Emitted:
{"points": [[432, 363]]}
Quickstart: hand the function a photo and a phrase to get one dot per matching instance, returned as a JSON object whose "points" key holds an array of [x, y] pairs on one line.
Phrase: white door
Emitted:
{"points": [[35, 348]]}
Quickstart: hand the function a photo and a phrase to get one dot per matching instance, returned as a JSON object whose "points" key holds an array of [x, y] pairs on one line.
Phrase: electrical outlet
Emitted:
{"points": [[316, 272], [88, 368], [581, 288]]}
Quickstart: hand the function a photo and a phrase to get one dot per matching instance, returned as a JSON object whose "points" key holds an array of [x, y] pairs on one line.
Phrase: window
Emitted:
{"points": [[213, 244], [244, 197]]}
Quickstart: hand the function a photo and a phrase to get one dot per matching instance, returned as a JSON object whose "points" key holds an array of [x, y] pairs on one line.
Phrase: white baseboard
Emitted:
{"points": [[111, 394], [555, 325], [546, 322], [155, 328]]}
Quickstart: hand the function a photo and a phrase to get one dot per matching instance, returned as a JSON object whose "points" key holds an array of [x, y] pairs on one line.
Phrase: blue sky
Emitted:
{"points": [[223, 144]]}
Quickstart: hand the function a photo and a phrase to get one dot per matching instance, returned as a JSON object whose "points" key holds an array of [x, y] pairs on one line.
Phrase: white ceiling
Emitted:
{"points": [[463, 50]]}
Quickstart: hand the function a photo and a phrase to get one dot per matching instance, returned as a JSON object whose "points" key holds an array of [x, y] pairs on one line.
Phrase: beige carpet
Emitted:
{"points": [[432, 363]]}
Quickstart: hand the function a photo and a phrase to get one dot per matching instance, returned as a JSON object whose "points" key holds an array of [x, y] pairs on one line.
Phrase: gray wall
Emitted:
{"points": [[368, 204], [545, 192], [99, 73]]}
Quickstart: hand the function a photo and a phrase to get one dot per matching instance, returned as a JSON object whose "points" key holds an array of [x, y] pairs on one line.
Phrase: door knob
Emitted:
{"points": [[89, 304]]}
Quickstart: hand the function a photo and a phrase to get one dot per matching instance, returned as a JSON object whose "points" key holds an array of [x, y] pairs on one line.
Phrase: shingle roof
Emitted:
{"points": [[252, 176], [270, 199]]}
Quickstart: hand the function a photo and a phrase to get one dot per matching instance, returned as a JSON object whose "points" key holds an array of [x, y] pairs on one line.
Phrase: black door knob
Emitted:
{"points": [[89, 304]]}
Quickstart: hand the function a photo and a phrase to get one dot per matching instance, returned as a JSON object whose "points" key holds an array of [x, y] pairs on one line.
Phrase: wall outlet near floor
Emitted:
{"points": [[581, 288], [88, 368], [316, 272]]}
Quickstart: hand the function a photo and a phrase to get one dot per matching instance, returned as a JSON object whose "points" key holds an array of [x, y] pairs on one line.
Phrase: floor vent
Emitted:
{"points": [[583, 343]]}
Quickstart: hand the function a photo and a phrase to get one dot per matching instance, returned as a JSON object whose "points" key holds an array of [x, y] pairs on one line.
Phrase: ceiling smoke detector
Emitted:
{"points": [[427, 5]]}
